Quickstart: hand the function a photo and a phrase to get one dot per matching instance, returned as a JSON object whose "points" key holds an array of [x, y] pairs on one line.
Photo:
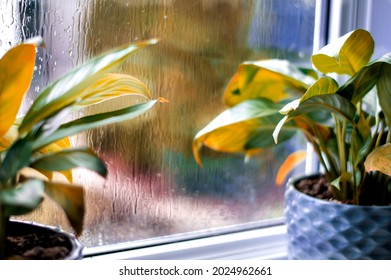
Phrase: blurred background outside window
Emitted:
{"points": [[154, 187]]}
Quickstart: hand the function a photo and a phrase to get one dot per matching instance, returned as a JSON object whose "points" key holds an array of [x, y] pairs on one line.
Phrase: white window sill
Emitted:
{"points": [[255, 241]]}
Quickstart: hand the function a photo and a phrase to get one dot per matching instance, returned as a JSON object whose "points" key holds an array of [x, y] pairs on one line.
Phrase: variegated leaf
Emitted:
{"points": [[346, 55], [380, 160]]}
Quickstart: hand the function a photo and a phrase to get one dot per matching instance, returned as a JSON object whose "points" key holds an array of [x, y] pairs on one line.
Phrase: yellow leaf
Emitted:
{"points": [[272, 79], [162, 100], [9, 137], [16, 71], [68, 90], [380, 160], [196, 152], [346, 55], [28, 172], [289, 164], [112, 86], [71, 200], [232, 138], [324, 85], [55, 147]]}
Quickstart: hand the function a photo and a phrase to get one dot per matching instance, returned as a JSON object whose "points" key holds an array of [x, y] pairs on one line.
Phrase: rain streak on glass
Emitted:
{"points": [[154, 187]]}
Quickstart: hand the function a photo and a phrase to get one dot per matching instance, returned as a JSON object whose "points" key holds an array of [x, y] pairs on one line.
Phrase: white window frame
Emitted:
{"points": [[257, 240]]}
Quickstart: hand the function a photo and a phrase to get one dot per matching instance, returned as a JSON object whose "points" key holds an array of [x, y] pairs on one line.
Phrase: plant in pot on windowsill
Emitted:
{"points": [[345, 212], [36, 146]]}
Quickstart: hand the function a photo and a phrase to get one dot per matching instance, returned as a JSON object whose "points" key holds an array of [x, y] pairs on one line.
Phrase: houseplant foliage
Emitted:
{"points": [[345, 118], [347, 122], [35, 147]]}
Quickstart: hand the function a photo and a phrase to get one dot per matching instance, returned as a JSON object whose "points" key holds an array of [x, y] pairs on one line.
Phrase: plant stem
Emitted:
{"points": [[359, 107], [379, 137], [375, 137], [315, 138], [342, 147], [341, 134], [320, 156]]}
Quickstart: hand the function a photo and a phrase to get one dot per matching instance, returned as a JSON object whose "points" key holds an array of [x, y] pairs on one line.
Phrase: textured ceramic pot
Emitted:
{"points": [[70, 241], [318, 229]]}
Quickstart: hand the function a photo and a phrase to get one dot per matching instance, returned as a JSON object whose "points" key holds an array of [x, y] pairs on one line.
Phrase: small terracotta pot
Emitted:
{"points": [[319, 229]]}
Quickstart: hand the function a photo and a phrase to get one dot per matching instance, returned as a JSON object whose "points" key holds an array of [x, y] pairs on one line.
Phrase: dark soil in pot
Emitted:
{"points": [[318, 187], [38, 242], [315, 186]]}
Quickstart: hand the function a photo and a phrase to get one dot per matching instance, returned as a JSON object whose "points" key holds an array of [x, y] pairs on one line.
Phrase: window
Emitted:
{"points": [[155, 188], [378, 25]]}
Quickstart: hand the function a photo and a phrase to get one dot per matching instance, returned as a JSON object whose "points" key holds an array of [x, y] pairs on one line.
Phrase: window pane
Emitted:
{"points": [[155, 188], [379, 26]]}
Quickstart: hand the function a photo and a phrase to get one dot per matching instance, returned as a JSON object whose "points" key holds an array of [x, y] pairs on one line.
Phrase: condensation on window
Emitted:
{"points": [[154, 187]]}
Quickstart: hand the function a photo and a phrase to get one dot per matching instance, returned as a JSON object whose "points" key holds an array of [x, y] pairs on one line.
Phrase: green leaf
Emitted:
{"points": [[308, 124], [55, 147], [332, 103], [17, 157], [71, 200], [308, 115], [384, 91], [309, 72], [272, 79], [69, 89], [371, 103], [346, 55], [324, 85], [291, 106], [377, 73], [364, 80], [93, 121], [16, 72], [379, 160], [69, 159], [278, 128], [246, 127], [360, 139], [24, 198], [262, 137], [341, 181]]}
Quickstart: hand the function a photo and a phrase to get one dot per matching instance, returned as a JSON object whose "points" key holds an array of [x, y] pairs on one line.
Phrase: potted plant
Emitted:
{"points": [[35, 147], [344, 212]]}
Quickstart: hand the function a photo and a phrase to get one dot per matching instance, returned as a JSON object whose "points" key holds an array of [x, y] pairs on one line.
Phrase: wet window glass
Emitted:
{"points": [[154, 187]]}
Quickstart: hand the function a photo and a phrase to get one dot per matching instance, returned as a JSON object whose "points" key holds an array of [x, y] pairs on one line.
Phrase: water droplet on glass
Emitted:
{"points": [[154, 187]]}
